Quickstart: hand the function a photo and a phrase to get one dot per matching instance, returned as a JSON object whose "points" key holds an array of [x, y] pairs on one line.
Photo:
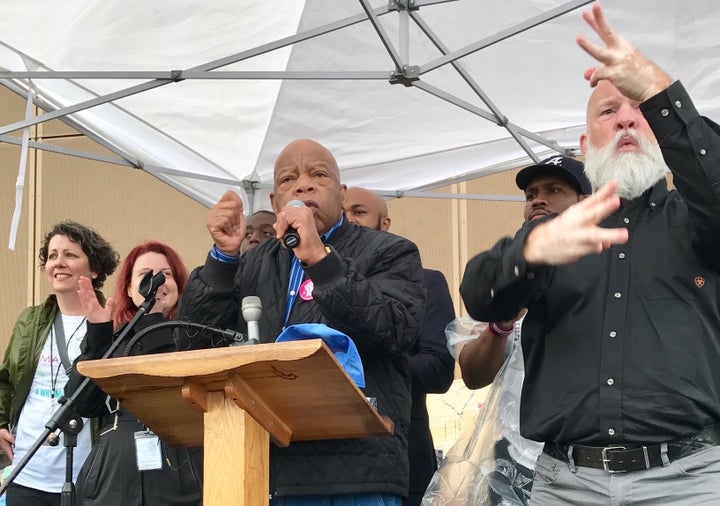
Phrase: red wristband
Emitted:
{"points": [[497, 331]]}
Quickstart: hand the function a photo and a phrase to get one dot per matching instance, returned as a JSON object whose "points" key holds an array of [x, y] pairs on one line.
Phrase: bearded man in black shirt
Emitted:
{"points": [[622, 336]]}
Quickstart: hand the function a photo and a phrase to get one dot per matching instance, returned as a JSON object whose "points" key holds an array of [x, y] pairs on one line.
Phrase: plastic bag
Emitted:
{"points": [[490, 464], [461, 330]]}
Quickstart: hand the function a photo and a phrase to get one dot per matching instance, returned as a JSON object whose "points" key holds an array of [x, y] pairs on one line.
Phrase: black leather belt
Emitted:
{"points": [[621, 458]]}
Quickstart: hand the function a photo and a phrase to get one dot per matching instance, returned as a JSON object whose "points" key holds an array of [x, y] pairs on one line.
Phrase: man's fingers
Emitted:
{"points": [[593, 50], [297, 217], [605, 208], [226, 216], [594, 208], [588, 74], [597, 21], [605, 190], [601, 24], [589, 18], [229, 207], [606, 237], [230, 196]]}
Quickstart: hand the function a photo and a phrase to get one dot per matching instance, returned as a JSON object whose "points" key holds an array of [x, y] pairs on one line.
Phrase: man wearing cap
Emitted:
{"points": [[550, 187], [621, 340]]}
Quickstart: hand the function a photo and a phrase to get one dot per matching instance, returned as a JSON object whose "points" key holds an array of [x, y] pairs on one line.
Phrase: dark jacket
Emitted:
{"points": [[431, 372], [110, 474], [623, 346], [370, 287]]}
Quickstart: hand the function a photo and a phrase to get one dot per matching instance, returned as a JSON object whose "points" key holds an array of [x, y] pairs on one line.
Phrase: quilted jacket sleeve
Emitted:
{"points": [[210, 297]]}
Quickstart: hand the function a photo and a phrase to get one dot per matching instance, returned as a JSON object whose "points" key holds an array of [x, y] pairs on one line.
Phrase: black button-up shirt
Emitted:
{"points": [[623, 346]]}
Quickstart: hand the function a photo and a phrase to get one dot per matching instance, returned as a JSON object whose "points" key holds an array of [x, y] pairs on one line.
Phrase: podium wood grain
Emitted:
{"points": [[234, 400]]}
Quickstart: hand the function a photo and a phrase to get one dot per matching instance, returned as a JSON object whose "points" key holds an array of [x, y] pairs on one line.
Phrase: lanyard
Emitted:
{"points": [[59, 331], [297, 274]]}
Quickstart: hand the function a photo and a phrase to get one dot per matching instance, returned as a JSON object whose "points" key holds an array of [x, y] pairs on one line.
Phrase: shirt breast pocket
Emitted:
{"points": [[669, 268]]}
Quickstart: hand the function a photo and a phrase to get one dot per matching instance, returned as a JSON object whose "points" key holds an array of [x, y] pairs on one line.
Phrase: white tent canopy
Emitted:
{"points": [[408, 94]]}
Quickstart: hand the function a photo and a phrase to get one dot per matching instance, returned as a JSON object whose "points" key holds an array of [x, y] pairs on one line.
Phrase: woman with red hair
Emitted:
{"points": [[129, 465]]}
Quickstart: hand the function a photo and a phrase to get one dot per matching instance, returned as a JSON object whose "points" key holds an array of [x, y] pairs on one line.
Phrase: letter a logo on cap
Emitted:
{"points": [[555, 161]]}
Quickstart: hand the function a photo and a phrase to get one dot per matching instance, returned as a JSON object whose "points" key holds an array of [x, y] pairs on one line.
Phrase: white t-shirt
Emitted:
{"points": [[46, 469]]}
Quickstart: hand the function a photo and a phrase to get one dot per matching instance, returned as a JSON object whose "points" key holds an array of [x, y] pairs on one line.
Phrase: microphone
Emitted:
{"points": [[291, 237], [252, 310], [150, 283], [148, 287]]}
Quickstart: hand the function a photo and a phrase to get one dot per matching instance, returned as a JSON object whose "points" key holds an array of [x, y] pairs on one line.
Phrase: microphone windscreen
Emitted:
{"points": [[251, 302], [251, 308]]}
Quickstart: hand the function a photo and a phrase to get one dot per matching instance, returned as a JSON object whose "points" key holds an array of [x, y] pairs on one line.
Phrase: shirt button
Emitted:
{"points": [[664, 112], [617, 295], [610, 381], [516, 270], [703, 152], [292, 293], [621, 255], [626, 220], [492, 293], [611, 432], [613, 333], [678, 104], [653, 204]]}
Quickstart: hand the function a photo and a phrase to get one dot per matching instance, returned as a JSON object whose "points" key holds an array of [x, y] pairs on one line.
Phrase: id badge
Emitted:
{"points": [[148, 451]]}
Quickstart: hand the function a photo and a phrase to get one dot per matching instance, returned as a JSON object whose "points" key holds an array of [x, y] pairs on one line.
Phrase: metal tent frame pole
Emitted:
{"points": [[404, 73]]}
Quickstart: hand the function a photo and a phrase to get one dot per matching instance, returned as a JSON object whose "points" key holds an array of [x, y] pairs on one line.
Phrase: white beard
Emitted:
{"points": [[635, 172]]}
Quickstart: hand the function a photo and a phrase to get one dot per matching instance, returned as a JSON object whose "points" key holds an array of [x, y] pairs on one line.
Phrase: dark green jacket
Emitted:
{"points": [[21, 357]]}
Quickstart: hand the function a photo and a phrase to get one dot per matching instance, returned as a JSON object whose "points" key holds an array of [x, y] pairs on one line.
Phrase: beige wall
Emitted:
{"points": [[449, 232], [128, 206]]}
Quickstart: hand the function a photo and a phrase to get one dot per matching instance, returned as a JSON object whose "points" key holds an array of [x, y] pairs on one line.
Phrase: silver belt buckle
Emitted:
{"points": [[606, 461]]}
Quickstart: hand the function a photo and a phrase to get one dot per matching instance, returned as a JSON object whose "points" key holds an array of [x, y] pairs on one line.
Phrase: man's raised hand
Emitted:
{"points": [[226, 223], [637, 77], [575, 233]]}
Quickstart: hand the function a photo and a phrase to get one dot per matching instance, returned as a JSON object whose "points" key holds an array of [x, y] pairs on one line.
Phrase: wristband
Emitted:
{"points": [[497, 331]]}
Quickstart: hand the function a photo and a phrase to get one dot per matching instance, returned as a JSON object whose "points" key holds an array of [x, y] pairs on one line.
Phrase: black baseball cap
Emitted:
{"points": [[567, 168]]}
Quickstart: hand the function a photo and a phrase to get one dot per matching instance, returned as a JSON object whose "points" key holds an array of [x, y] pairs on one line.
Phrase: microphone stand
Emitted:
{"points": [[65, 417]]}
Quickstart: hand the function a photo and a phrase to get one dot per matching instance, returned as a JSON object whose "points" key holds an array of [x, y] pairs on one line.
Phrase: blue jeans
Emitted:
{"points": [[338, 500]]}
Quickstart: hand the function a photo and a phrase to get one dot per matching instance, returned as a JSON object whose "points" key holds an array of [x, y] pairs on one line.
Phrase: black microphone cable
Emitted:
{"points": [[229, 336]]}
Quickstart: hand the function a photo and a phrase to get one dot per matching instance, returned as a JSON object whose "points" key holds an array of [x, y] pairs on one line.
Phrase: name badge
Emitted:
{"points": [[148, 451]]}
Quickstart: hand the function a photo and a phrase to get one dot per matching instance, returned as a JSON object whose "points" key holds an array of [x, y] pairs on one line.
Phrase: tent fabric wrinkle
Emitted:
{"points": [[204, 95]]}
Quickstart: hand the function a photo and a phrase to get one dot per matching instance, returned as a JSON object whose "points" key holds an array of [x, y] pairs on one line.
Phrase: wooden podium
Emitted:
{"points": [[233, 400]]}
